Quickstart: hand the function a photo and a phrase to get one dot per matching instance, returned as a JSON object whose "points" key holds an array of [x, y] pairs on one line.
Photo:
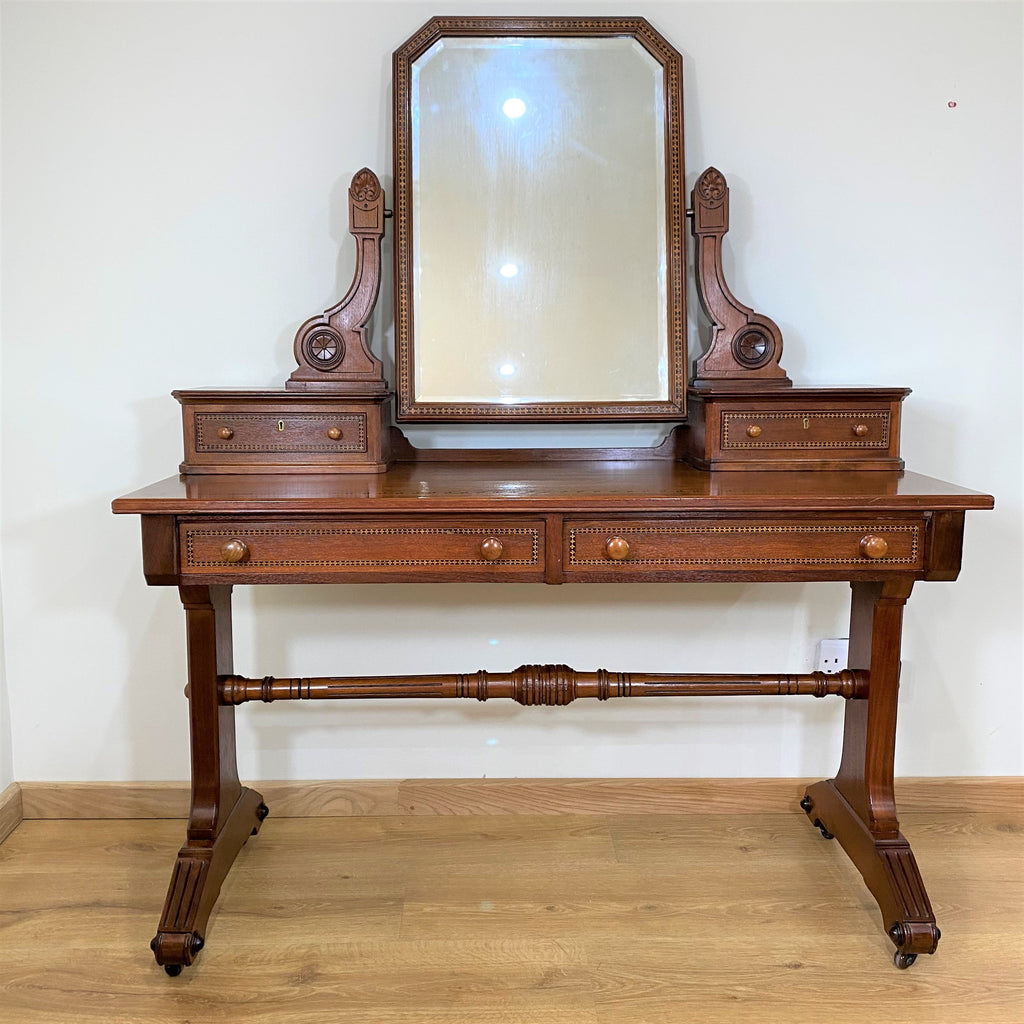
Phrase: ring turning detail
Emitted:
{"points": [[545, 684]]}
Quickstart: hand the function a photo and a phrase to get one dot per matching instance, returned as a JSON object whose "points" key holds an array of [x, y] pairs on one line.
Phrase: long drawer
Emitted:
{"points": [[365, 550], [639, 548]]}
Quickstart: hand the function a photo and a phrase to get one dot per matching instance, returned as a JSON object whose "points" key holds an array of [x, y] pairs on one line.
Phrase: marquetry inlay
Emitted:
{"points": [[707, 555], [313, 536], [736, 433], [296, 437]]}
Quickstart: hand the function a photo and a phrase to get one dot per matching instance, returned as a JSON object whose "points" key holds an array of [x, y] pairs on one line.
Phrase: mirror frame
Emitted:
{"points": [[408, 408]]}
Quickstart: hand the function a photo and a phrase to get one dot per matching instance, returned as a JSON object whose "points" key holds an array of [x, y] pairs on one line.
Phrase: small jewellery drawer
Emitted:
{"points": [[349, 549], [805, 429], [638, 548], [279, 432], [227, 433], [796, 428]]}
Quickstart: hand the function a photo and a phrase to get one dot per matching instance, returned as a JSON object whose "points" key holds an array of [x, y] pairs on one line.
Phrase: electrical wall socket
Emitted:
{"points": [[832, 655]]}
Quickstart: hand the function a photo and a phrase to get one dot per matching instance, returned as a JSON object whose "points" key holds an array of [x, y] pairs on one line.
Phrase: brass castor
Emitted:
{"points": [[903, 960], [825, 834], [261, 812], [807, 805]]}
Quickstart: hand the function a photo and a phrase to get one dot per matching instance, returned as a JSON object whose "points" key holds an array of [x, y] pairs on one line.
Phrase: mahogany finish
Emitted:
{"points": [[224, 813], [745, 346], [331, 348], [734, 427], [491, 483], [545, 684], [858, 805], [260, 430], [555, 521], [313, 485]]}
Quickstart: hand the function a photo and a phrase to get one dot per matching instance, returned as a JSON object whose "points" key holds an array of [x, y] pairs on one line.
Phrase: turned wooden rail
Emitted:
{"points": [[544, 684]]}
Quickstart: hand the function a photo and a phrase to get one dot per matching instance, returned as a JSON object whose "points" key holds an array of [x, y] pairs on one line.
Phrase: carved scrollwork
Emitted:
{"points": [[331, 350], [365, 186], [711, 185], [745, 345]]}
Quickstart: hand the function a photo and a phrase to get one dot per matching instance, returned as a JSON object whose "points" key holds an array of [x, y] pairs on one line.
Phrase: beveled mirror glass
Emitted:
{"points": [[538, 242]]}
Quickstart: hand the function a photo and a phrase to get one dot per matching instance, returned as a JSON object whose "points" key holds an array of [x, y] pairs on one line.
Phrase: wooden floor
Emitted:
{"points": [[480, 919]]}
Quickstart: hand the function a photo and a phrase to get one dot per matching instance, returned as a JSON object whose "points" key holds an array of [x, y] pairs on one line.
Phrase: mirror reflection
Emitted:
{"points": [[538, 221]]}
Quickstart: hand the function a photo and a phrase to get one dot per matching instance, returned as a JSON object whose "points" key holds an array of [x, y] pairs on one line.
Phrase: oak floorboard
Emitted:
{"points": [[511, 919], [369, 797]]}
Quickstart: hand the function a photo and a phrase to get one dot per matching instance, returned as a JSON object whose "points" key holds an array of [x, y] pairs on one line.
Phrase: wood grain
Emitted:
{"points": [[549, 486], [11, 810], [593, 919], [370, 797]]}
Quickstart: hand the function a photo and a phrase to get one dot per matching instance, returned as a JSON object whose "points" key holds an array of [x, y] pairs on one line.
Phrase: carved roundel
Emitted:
{"points": [[711, 185], [753, 348], [323, 350]]}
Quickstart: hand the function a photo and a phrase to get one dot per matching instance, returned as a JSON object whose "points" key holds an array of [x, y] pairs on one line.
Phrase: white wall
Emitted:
{"points": [[6, 748], [174, 204]]}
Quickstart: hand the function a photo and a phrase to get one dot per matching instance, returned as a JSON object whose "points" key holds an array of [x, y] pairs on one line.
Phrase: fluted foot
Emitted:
{"points": [[888, 867], [198, 874]]}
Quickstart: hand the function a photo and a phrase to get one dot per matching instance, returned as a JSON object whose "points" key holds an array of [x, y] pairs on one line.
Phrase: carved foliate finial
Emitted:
{"points": [[365, 186], [711, 185]]}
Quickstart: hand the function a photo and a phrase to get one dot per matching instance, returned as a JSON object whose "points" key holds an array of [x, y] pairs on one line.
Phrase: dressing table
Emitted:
{"points": [[540, 239]]}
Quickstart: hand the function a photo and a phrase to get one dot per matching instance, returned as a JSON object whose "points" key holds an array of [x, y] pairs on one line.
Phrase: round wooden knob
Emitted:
{"points": [[753, 430], [234, 551], [860, 429], [874, 547], [334, 433], [616, 548], [491, 549], [225, 433]]}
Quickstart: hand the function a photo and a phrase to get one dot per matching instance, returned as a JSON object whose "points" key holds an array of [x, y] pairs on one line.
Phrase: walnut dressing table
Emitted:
{"points": [[757, 481]]}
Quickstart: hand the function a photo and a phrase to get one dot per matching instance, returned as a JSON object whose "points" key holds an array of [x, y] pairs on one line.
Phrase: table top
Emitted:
{"points": [[548, 486]]}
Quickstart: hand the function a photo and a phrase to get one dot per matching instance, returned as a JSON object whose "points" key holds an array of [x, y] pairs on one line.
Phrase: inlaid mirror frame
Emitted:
{"points": [[409, 408]]}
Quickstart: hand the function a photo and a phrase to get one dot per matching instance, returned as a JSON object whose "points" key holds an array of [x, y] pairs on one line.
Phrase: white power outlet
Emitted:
{"points": [[833, 655]]}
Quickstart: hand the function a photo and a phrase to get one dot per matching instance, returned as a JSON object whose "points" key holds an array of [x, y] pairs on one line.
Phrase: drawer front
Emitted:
{"points": [[806, 430], [244, 434], [410, 550], [636, 547]]}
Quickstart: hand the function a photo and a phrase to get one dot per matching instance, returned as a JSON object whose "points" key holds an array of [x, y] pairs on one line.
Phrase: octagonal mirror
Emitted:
{"points": [[539, 257]]}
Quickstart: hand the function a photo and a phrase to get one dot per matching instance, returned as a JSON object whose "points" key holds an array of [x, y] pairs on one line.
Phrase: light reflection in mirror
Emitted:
{"points": [[552, 149]]}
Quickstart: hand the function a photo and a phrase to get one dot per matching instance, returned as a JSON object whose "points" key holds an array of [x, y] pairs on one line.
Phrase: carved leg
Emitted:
{"points": [[224, 814], [858, 806]]}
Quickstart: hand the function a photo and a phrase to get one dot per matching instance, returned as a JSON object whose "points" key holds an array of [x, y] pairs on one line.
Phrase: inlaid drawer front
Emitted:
{"points": [[246, 433], [705, 544], [408, 548], [806, 429]]}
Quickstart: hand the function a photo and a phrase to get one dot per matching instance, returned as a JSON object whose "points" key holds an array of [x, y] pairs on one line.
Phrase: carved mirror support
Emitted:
{"points": [[331, 348], [745, 345]]}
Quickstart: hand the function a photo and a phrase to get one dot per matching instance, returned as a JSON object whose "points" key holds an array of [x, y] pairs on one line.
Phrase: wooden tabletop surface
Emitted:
{"points": [[544, 486]]}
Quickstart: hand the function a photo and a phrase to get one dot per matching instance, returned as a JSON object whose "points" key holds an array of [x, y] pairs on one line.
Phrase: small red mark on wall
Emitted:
{"points": [[951, 104]]}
